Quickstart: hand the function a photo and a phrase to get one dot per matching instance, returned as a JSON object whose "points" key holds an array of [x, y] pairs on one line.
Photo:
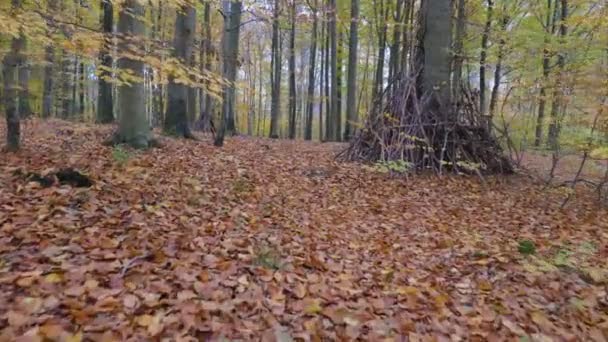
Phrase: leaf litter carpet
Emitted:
{"points": [[275, 241]]}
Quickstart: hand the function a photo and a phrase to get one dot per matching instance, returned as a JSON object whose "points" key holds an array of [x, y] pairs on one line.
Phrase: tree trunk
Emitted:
{"points": [[292, 72], [557, 104], [436, 43], [353, 46], [382, 17], [538, 136], [13, 60], [498, 68], [232, 27], [275, 81], [205, 123], [133, 126], [49, 81], [485, 38], [311, 74], [328, 116], [176, 117], [394, 62], [459, 47], [105, 103], [334, 113], [322, 78]]}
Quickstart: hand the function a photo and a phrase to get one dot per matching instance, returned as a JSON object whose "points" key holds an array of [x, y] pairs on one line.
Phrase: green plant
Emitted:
{"points": [[267, 258], [242, 185], [120, 154], [526, 247], [391, 166]]}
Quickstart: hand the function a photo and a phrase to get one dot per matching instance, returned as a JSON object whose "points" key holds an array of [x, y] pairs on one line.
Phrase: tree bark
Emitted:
{"points": [[311, 73], [176, 117], [133, 126], [498, 67], [49, 81], [485, 38], [334, 114], [459, 47], [292, 71], [540, 119], [353, 47], [232, 27], [275, 82], [557, 104], [381, 19], [13, 60], [205, 123], [436, 38]]}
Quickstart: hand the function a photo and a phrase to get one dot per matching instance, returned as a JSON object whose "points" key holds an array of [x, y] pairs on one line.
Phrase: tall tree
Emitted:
{"points": [[292, 71], [207, 102], [105, 102], [334, 113], [459, 45], [381, 16], [133, 125], [230, 43], [176, 116], [49, 77], [353, 46], [275, 75], [485, 38], [435, 55], [498, 68], [557, 104], [13, 61], [311, 71], [549, 27]]}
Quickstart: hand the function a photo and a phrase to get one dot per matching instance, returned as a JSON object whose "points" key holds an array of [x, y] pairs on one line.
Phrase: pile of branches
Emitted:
{"points": [[416, 129]]}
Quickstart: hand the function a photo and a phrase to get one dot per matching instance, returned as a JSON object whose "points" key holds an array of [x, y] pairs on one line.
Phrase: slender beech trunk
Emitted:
{"points": [[176, 117], [395, 62], [382, 19], [498, 68], [11, 63], [328, 115], [353, 47], [322, 83], [311, 73], [540, 119], [485, 38], [292, 71], [207, 108], [49, 81], [232, 27], [459, 47], [334, 114], [275, 81], [557, 105]]}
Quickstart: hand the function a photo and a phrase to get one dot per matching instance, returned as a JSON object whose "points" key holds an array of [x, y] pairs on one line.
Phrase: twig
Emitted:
{"points": [[129, 264]]}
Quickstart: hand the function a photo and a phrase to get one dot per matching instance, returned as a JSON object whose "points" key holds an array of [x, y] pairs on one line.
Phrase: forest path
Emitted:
{"points": [[271, 239]]}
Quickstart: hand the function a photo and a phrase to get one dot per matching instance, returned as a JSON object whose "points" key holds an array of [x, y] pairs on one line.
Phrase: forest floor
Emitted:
{"points": [[274, 240]]}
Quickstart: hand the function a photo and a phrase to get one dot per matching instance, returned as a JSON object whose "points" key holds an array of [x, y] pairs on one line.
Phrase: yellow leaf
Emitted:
{"points": [[74, 338], [53, 278], [485, 285], [407, 290], [144, 320], [313, 307]]}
